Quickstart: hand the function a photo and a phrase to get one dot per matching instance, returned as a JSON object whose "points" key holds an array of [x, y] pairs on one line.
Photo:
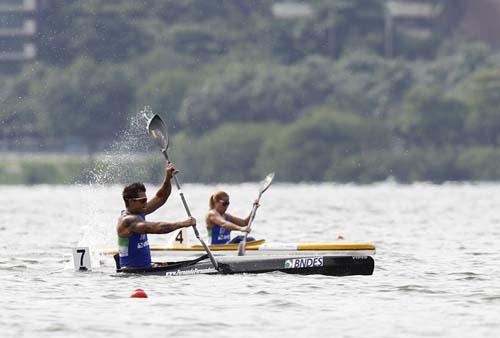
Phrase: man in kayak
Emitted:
{"points": [[132, 227], [220, 223]]}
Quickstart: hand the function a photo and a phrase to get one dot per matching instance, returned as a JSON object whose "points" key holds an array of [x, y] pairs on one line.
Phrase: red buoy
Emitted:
{"points": [[139, 293]]}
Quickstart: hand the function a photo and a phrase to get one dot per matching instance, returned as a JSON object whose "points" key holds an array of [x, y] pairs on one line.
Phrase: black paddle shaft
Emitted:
{"points": [[195, 229], [264, 186], [179, 189], [158, 132]]}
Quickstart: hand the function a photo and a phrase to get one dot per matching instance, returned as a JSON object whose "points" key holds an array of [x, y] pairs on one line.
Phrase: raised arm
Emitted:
{"points": [[162, 195]]}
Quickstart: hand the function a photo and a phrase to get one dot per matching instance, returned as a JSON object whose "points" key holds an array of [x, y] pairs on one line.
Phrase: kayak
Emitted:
{"points": [[262, 248], [192, 248], [329, 265]]}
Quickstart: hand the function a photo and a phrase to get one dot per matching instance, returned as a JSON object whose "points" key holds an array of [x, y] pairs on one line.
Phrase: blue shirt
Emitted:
{"points": [[219, 235], [134, 250]]}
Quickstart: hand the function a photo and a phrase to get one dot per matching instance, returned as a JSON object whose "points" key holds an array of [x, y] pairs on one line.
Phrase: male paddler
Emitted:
{"points": [[132, 227]]}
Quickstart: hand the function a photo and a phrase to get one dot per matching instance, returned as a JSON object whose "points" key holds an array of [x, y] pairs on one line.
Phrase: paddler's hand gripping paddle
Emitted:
{"points": [[158, 132], [264, 184]]}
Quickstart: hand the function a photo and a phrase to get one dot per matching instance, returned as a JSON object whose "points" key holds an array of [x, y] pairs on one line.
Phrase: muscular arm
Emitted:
{"points": [[160, 197], [154, 227], [130, 224]]}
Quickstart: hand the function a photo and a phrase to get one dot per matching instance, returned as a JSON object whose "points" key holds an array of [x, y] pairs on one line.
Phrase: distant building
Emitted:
{"points": [[419, 21], [481, 18], [290, 9], [17, 30], [295, 10], [413, 20]]}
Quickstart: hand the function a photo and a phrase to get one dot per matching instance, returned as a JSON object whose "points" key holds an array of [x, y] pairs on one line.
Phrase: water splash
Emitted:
{"points": [[130, 159], [147, 113]]}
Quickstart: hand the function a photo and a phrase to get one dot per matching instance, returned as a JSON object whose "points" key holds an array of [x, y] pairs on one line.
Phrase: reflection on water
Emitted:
{"points": [[436, 265]]}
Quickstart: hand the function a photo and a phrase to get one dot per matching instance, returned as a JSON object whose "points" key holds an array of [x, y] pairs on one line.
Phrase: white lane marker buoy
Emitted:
{"points": [[81, 259]]}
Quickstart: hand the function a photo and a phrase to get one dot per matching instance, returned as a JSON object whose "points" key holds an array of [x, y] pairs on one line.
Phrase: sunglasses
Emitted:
{"points": [[139, 199], [224, 203]]}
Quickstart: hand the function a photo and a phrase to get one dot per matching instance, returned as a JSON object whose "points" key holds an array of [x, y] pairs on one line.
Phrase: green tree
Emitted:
{"points": [[103, 30], [197, 41], [262, 92], [19, 114], [305, 149], [236, 11], [334, 28], [480, 163], [369, 84], [88, 102], [227, 153], [457, 59], [483, 97], [431, 118], [164, 92]]}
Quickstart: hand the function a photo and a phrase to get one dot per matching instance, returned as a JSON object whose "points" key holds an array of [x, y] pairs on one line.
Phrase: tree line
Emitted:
{"points": [[246, 92]]}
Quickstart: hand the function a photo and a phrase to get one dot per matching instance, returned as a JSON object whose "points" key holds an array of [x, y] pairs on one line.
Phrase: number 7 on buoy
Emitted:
{"points": [[81, 259]]}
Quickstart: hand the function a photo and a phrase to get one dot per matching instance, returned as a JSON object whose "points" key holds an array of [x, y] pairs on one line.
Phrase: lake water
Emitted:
{"points": [[436, 274]]}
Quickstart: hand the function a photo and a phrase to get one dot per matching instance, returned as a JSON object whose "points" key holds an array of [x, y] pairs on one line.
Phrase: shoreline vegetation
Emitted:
{"points": [[245, 91], [432, 165]]}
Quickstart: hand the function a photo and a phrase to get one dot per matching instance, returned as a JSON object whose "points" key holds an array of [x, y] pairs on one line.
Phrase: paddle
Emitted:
{"points": [[264, 184], [158, 132]]}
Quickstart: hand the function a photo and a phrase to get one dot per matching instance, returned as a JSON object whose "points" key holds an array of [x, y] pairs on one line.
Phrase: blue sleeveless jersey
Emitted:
{"points": [[134, 250], [219, 235]]}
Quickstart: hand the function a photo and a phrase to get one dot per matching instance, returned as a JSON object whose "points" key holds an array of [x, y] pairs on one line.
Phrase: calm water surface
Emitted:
{"points": [[437, 265]]}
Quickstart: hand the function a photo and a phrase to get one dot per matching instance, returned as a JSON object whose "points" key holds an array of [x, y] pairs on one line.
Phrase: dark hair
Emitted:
{"points": [[132, 191]]}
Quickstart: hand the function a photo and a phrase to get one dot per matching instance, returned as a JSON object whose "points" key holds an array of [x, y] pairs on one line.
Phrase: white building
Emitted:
{"points": [[17, 30]]}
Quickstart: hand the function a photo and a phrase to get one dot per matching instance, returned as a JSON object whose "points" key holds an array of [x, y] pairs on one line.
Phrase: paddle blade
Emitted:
{"points": [[158, 132], [266, 182]]}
